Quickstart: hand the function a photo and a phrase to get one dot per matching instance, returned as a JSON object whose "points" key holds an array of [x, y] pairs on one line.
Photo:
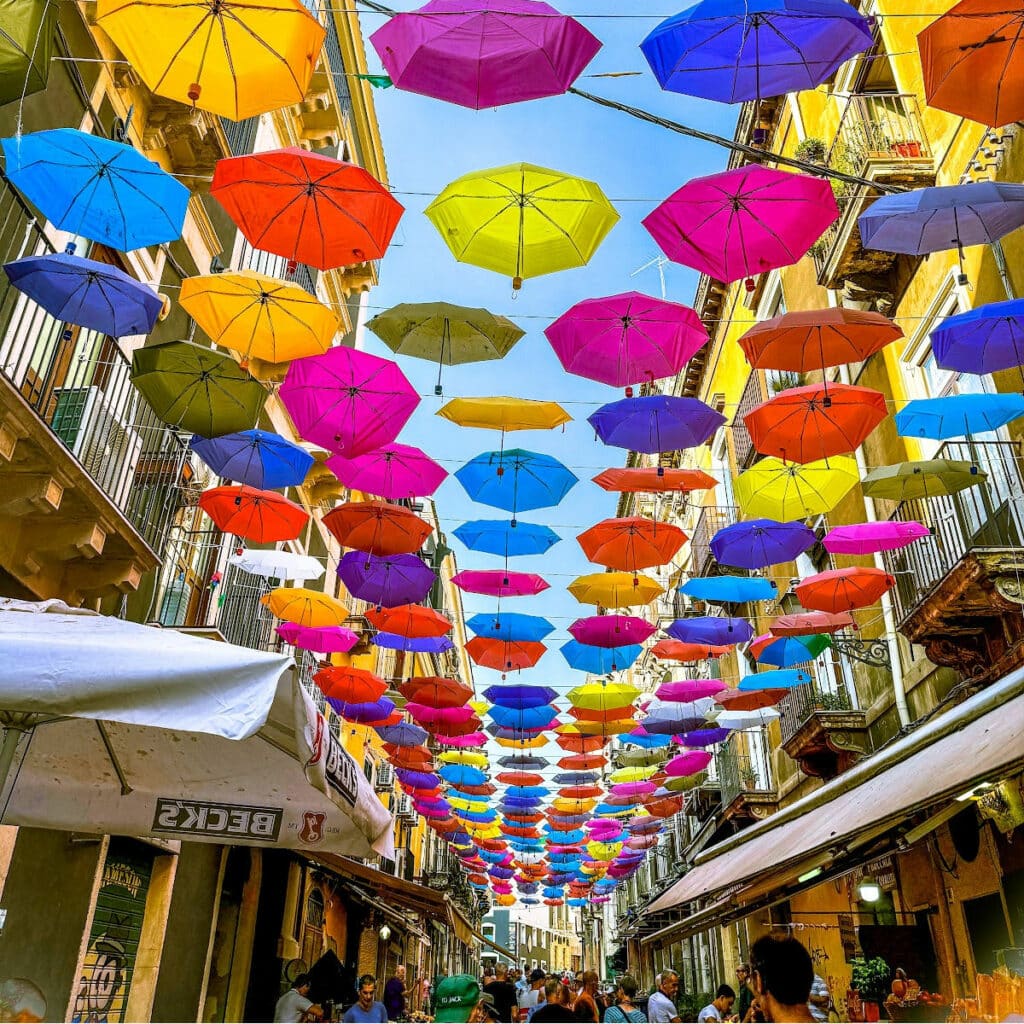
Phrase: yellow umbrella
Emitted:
{"points": [[530, 744], [604, 851], [305, 607], [479, 706], [599, 696], [599, 728], [466, 804], [259, 316], [615, 589], [522, 220], [569, 806], [500, 413], [236, 58], [505, 900], [634, 774], [470, 757], [787, 491]]}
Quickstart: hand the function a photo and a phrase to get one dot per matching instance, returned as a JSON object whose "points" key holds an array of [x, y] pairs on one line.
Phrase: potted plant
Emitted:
{"points": [[748, 777], [871, 982], [812, 151], [907, 149]]}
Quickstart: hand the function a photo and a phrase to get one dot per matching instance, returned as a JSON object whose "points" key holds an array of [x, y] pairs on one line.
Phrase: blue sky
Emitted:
{"points": [[427, 144]]}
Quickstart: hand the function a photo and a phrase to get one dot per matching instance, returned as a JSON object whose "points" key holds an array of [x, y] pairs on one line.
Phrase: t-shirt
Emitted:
{"points": [[819, 989], [376, 1014], [661, 1009], [291, 1006], [710, 1012], [394, 997], [554, 1012], [505, 999], [617, 1015]]}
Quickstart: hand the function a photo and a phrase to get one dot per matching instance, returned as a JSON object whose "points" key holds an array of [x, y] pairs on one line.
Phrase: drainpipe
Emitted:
{"points": [[360, 331]]}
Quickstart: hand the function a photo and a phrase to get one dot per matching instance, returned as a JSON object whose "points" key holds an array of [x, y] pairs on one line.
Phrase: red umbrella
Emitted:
{"points": [[580, 744], [413, 758], [259, 516], [654, 480], [582, 762], [842, 590], [351, 685], [752, 700], [410, 620], [436, 692], [525, 819], [307, 207], [580, 792], [486, 789], [377, 527], [665, 807], [632, 543], [679, 650], [809, 623], [505, 655], [520, 778]]}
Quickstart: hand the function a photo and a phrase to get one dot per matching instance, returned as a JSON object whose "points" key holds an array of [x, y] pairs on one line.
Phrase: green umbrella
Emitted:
{"points": [[28, 29], [195, 388], [642, 758], [444, 333], [930, 478], [680, 784]]}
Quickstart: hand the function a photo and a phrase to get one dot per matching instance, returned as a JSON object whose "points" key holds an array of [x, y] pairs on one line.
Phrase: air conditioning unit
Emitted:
{"points": [[405, 810], [384, 779]]}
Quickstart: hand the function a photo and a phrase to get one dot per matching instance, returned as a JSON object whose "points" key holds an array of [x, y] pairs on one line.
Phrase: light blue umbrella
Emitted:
{"points": [[958, 415], [463, 775], [600, 660], [779, 679], [510, 627], [730, 589], [522, 718], [516, 480], [505, 538]]}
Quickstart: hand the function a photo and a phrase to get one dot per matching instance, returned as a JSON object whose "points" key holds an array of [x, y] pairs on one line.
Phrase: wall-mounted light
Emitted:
{"points": [[869, 890], [385, 932], [808, 875]]}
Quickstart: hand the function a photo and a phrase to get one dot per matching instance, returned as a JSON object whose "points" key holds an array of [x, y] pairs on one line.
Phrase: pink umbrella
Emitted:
{"points": [[611, 630], [484, 53], [472, 739], [499, 583], [348, 401], [690, 763], [425, 715], [689, 689], [867, 538], [325, 639], [743, 222], [633, 788], [392, 471], [642, 843]]}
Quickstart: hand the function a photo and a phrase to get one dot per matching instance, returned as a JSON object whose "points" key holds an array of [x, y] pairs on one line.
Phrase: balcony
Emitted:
{"points": [[754, 393], [712, 519], [881, 138], [822, 730], [960, 592], [748, 794]]}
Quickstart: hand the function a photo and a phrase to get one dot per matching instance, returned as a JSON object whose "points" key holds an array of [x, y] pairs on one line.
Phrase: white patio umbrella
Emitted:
{"points": [[283, 565]]}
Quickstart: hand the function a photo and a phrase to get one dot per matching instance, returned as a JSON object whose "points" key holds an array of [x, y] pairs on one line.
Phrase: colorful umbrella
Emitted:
{"points": [[738, 50], [754, 700], [501, 413], [510, 626], [519, 695], [256, 458], [743, 222], [787, 491], [350, 685], [711, 630], [869, 538], [505, 655], [689, 689], [484, 53], [930, 478], [393, 471], [500, 583], [349, 401], [323, 639], [757, 543], [958, 415], [626, 339], [808, 424], [410, 620], [436, 692], [413, 645], [28, 32], [809, 623], [687, 651], [368, 712], [777, 679], [655, 423], [611, 630], [274, 564], [522, 220], [615, 589], [688, 764], [388, 581], [981, 340], [236, 60], [306, 608], [730, 589], [87, 185], [464, 757], [817, 338], [377, 527], [98, 296], [524, 719], [600, 660], [307, 207], [785, 651], [507, 539], [631, 543], [516, 480], [654, 480], [260, 516], [842, 590]]}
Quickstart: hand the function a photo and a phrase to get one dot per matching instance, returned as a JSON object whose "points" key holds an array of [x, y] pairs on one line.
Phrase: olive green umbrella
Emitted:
{"points": [[28, 29], [930, 478], [444, 333], [198, 389], [642, 758], [682, 783]]}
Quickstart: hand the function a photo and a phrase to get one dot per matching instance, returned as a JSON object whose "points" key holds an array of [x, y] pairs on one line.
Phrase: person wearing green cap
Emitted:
{"points": [[457, 999]]}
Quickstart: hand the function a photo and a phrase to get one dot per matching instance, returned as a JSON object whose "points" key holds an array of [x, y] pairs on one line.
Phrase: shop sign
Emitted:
{"points": [[883, 871], [199, 817]]}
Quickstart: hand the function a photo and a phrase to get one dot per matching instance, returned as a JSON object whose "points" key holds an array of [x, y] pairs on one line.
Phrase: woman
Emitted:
{"points": [[585, 1007], [623, 1009]]}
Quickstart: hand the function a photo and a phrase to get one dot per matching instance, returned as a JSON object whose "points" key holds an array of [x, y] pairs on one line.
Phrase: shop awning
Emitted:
{"points": [[495, 946], [977, 741]]}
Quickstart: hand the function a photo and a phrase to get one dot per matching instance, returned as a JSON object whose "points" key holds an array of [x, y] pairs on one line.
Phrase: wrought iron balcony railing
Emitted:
{"points": [[712, 518], [741, 773], [754, 393], [805, 701]]}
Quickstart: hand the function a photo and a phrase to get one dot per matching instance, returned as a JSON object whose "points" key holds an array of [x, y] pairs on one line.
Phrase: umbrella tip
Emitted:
{"points": [[194, 91]]}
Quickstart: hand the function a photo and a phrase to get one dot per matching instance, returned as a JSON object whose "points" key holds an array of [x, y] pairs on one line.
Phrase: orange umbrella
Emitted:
{"points": [[842, 590], [485, 789], [815, 338], [435, 692], [752, 700], [523, 831], [654, 480], [411, 620], [599, 715], [260, 516], [494, 845], [525, 819], [665, 807], [377, 527], [580, 744], [680, 650], [809, 623], [582, 762], [505, 655], [520, 778], [815, 422], [632, 543], [580, 792], [351, 685]]}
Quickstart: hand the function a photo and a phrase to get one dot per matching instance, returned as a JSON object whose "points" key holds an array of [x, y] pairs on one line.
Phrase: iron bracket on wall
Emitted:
{"points": [[867, 652]]}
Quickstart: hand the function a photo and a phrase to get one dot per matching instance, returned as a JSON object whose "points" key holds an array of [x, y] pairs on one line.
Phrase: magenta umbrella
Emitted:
{"points": [[626, 339], [611, 630], [633, 788], [499, 583], [423, 714], [690, 763], [472, 739], [868, 538], [484, 53], [324, 639], [743, 222], [392, 471], [348, 401], [689, 689]]}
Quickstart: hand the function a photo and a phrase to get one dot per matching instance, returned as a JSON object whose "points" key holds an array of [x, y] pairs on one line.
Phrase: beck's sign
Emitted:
{"points": [[200, 818]]}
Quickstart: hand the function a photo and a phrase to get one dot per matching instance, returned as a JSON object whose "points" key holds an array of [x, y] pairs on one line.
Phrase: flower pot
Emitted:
{"points": [[871, 1012], [907, 150]]}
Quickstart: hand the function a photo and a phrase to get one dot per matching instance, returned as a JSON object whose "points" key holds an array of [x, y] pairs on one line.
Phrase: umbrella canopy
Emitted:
{"points": [[484, 54], [842, 590], [687, 651], [386, 581], [615, 589], [786, 491], [958, 415], [516, 480], [743, 222], [106, 191], [259, 317], [655, 423], [784, 652], [414, 645], [235, 60], [730, 589], [98, 296], [524, 719], [393, 471], [631, 543], [323, 639], [603, 696], [757, 543], [27, 34], [349, 685], [688, 764], [809, 623], [929, 478], [711, 630], [507, 539], [519, 695], [349, 401], [600, 660], [754, 700], [510, 626], [411, 620], [257, 458], [689, 689], [500, 583], [282, 565], [808, 424], [307, 207], [973, 62], [505, 655], [776, 679], [869, 538], [814, 339], [611, 630], [377, 527], [738, 50], [259, 516], [522, 220], [306, 608], [626, 339], [654, 480], [503, 413], [985, 339]]}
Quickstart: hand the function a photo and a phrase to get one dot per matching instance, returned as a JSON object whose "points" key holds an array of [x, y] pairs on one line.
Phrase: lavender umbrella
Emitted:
{"points": [[705, 737], [413, 644], [711, 630], [404, 735], [756, 543], [370, 711], [655, 423], [982, 340], [386, 582]]}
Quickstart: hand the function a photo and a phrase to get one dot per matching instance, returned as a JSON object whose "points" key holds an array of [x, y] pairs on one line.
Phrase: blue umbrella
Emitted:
{"points": [[600, 660], [730, 589], [413, 644], [257, 458], [983, 340], [97, 296], [553, 893], [510, 626], [655, 423], [403, 735], [705, 737], [738, 50], [716, 632], [516, 793], [646, 742], [505, 538], [958, 415], [516, 480], [757, 543], [520, 695], [787, 651], [513, 804], [778, 679], [463, 775], [492, 856], [90, 186], [522, 718], [612, 810]]}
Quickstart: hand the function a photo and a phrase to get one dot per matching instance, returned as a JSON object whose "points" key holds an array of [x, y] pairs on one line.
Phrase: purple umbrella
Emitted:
{"points": [[392, 471], [756, 543], [417, 780], [348, 401], [404, 735], [704, 737], [711, 630], [413, 644], [611, 630], [484, 53], [369, 711], [655, 423], [983, 340], [386, 581]]}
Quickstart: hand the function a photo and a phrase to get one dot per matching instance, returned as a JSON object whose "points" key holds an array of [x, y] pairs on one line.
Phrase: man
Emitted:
{"points": [[522, 985], [504, 994], [744, 996], [719, 1008], [366, 1008], [458, 999], [533, 998], [553, 1008], [782, 973], [294, 1006], [394, 994], [661, 1007], [488, 976], [819, 999]]}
